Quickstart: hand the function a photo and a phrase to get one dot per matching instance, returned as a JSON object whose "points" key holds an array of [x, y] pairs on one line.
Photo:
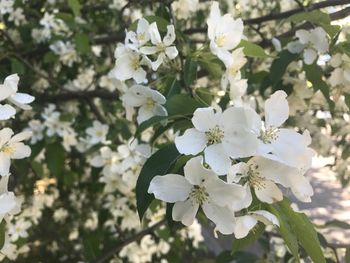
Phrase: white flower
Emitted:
{"points": [[12, 148], [17, 17], [163, 49], [221, 136], [244, 224], [37, 129], [313, 42], [66, 51], [128, 65], [8, 91], [60, 215], [185, 8], [97, 133], [283, 145], [8, 202], [6, 6], [199, 187], [224, 32], [341, 74], [263, 175], [149, 102], [135, 40], [19, 229], [107, 159]]}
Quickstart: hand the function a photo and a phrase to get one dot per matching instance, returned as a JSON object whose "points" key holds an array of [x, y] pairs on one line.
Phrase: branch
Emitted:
{"points": [[77, 95], [270, 17], [108, 254]]}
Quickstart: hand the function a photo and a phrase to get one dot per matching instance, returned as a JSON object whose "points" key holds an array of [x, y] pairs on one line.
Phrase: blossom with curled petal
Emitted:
{"points": [[200, 187], [12, 147], [221, 135], [264, 175], [8, 91]]}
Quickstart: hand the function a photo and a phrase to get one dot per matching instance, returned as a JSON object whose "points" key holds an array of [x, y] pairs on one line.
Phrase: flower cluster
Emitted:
{"points": [[11, 148], [221, 142]]}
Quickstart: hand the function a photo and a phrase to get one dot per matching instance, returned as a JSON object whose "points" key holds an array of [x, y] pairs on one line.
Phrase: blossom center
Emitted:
{"points": [[254, 179], [199, 194], [135, 64], [141, 36], [214, 135], [149, 103], [161, 47], [7, 149], [220, 40], [269, 135]]}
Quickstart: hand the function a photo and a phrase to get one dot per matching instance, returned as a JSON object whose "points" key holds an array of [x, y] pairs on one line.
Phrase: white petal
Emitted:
{"points": [[156, 64], [276, 109], [217, 158], [266, 217], [171, 52], [148, 50], [309, 56], [22, 136], [243, 225], [268, 192], [170, 188], [154, 32], [5, 163], [144, 114], [170, 36], [22, 98], [185, 212], [191, 142], [6, 112], [224, 194], [9, 87], [139, 75], [7, 202], [195, 172], [5, 136], [223, 217], [301, 188], [213, 20], [20, 150], [97, 161], [236, 172], [204, 119]]}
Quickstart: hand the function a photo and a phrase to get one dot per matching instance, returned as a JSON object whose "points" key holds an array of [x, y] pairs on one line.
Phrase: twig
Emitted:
{"points": [[78, 95], [108, 254]]}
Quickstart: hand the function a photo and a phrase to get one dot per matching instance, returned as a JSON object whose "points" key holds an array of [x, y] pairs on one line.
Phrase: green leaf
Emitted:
{"points": [[2, 233], [182, 105], [337, 223], [278, 68], [75, 6], [347, 100], [172, 88], [158, 164], [210, 63], [347, 255], [239, 244], [55, 158], [38, 169], [190, 71], [314, 74], [82, 43], [253, 50], [315, 16], [17, 66], [332, 30], [204, 96], [149, 123], [286, 231], [304, 231]]}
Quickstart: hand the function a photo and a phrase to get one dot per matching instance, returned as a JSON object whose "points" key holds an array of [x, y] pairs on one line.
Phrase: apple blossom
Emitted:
{"points": [[222, 135], [200, 187]]}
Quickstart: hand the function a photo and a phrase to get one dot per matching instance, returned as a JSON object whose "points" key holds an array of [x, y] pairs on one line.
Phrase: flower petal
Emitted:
{"points": [[6, 112], [276, 109], [223, 217], [191, 142], [243, 225], [170, 188], [195, 172], [268, 192], [217, 158], [185, 211], [204, 119]]}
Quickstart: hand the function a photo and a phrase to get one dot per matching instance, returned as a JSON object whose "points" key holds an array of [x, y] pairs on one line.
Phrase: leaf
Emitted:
{"points": [[172, 88], [2, 233], [315, 16], [286, 231], [75, 6], [204, 96], [82, 43], [190, 71], [158, 164], [314, 75], [304, 231], [149, 123], [347, 255], [253, 50], [210, 63], [253, 235], [278, 68], [182, 105], [337, 223], [38, 169], [55, 158]]}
